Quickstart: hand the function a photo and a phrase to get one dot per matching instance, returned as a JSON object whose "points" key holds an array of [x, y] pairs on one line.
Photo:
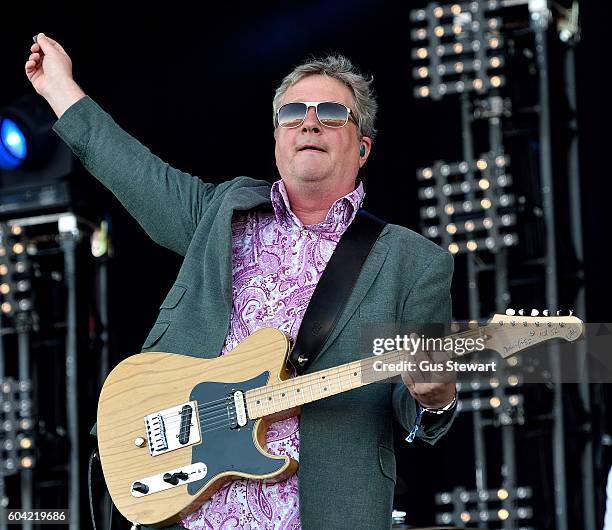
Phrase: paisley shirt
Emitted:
{"points": [[276, 264]]}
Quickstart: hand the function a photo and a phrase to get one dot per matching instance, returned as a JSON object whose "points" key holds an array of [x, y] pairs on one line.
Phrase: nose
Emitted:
{"points": [[311, 123]]}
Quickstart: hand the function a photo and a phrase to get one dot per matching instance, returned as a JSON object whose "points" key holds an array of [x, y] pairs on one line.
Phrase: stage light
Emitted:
{"points": [[420, 34], [485, 203], [6, 307], [16, 230], [513, 380], [455, 9], [423, 72], [472, 246], [451, 228], [466, 517], [422, 53], [495, 62], [496, 81], [483, 184], [494, 382], [25, 443], [18, 248], [427, 173], [503, 514], [453, 248], [3, 270], [27, 462], [502, 494], [5, 288], [495, 402], [13, 146]]}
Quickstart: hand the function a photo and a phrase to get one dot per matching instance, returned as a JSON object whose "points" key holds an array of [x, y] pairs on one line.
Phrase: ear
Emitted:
{"points": [[366, 142]]}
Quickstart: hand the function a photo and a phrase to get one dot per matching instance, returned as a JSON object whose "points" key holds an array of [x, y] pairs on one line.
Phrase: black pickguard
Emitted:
{"points": [[227, 449]]}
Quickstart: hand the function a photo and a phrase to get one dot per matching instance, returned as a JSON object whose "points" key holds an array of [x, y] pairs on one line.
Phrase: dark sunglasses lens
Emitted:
{"points": [[291, 114], [332, 114]]}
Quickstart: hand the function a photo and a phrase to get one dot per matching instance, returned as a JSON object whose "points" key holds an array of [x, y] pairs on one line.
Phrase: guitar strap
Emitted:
{"points": [[334, 288]]}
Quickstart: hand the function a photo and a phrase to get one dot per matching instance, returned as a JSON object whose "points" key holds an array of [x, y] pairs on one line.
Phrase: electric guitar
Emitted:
{"points": [[173, 429]]}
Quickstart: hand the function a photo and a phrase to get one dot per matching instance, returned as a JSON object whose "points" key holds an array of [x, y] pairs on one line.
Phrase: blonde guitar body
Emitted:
{"points": [[149, 382]]}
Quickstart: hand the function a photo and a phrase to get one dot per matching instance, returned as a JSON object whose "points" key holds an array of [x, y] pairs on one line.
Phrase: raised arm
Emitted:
{"points": [[166, 202]]}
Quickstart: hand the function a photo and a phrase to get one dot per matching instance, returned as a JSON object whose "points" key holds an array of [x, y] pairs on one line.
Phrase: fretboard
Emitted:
{"points": [[307, 388]]}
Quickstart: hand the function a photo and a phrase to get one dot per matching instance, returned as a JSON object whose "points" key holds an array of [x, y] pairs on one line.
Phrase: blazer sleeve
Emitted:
{"points": [[429, 300], [166, 202]]}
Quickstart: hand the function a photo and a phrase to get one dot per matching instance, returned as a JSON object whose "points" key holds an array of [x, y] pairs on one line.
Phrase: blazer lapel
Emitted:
{"points": [[240, 199]]}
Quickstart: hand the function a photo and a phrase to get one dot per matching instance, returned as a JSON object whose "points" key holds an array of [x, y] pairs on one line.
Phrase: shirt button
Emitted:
{"points": [[304, 232]]}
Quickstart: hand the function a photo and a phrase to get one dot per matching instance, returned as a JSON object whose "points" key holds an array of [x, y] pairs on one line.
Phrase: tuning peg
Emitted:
{"points": [[510, 312], [521, 312], [558, 313], [534, 312], [571, 312], [546, 312]]}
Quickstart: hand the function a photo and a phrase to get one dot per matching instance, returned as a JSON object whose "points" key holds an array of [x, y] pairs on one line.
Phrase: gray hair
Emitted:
{"points": [[340, 68]]}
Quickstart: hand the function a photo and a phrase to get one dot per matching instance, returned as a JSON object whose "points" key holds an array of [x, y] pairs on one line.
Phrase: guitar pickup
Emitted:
{"points": [[172, 428]]}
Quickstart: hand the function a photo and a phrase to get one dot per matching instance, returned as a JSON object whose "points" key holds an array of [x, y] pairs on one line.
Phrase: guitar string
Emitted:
{"points": [[365, 370], [220, 403], [209, 415]]}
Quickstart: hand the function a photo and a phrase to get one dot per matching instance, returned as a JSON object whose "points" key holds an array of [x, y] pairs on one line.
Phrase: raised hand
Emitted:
{"points": [[49, 69]]}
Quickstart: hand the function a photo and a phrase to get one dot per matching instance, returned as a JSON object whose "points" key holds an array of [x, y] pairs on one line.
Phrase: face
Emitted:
{"points": [[313, 152]]}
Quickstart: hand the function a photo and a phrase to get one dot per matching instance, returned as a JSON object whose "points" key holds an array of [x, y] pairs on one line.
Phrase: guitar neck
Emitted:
{"points": [[506, 335], [307, 388]]}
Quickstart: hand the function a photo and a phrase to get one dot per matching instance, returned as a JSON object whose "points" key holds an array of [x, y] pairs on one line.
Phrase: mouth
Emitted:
{"points": [[311, 148]]}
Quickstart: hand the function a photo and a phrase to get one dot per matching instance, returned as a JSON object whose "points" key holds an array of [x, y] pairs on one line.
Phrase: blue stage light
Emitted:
{"points": [[13, 146]]}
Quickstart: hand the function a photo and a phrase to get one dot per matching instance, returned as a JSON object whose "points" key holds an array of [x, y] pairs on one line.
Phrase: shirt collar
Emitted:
{"points": [[339, 216]]}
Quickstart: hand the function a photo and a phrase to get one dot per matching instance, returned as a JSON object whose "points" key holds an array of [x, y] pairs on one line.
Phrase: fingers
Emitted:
{"points": [[47, 44]]}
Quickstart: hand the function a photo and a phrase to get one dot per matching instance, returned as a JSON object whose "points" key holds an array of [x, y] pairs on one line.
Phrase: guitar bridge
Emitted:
{"points": [[173, 428]]}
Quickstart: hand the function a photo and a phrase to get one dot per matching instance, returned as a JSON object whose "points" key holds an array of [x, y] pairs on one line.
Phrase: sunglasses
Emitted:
{"points": [[329, 113]]}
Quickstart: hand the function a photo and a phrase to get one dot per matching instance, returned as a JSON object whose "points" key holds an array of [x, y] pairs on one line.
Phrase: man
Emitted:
{"points": [[281, 240]]}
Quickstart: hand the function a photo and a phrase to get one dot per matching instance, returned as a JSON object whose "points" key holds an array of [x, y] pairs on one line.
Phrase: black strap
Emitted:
{"points": [[334, 287]]}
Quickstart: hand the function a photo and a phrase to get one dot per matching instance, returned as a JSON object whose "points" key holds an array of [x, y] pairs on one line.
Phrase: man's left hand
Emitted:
{"points": [[432, 389]]}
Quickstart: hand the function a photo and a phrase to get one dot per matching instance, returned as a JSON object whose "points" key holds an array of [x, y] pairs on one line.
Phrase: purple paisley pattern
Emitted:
{"points": [[276, 264]]}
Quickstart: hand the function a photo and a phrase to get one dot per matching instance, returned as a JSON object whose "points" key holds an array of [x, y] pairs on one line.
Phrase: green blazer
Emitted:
{"points": [[347, 458]]}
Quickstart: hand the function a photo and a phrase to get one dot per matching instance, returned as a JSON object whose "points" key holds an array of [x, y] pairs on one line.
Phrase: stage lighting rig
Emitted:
{"points": [[17, 442], [458, 49], [467, 206], [493, 507], [16, 297]]}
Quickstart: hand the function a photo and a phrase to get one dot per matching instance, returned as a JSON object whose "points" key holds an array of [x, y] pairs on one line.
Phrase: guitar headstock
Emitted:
{"points": [[511, 333]]}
